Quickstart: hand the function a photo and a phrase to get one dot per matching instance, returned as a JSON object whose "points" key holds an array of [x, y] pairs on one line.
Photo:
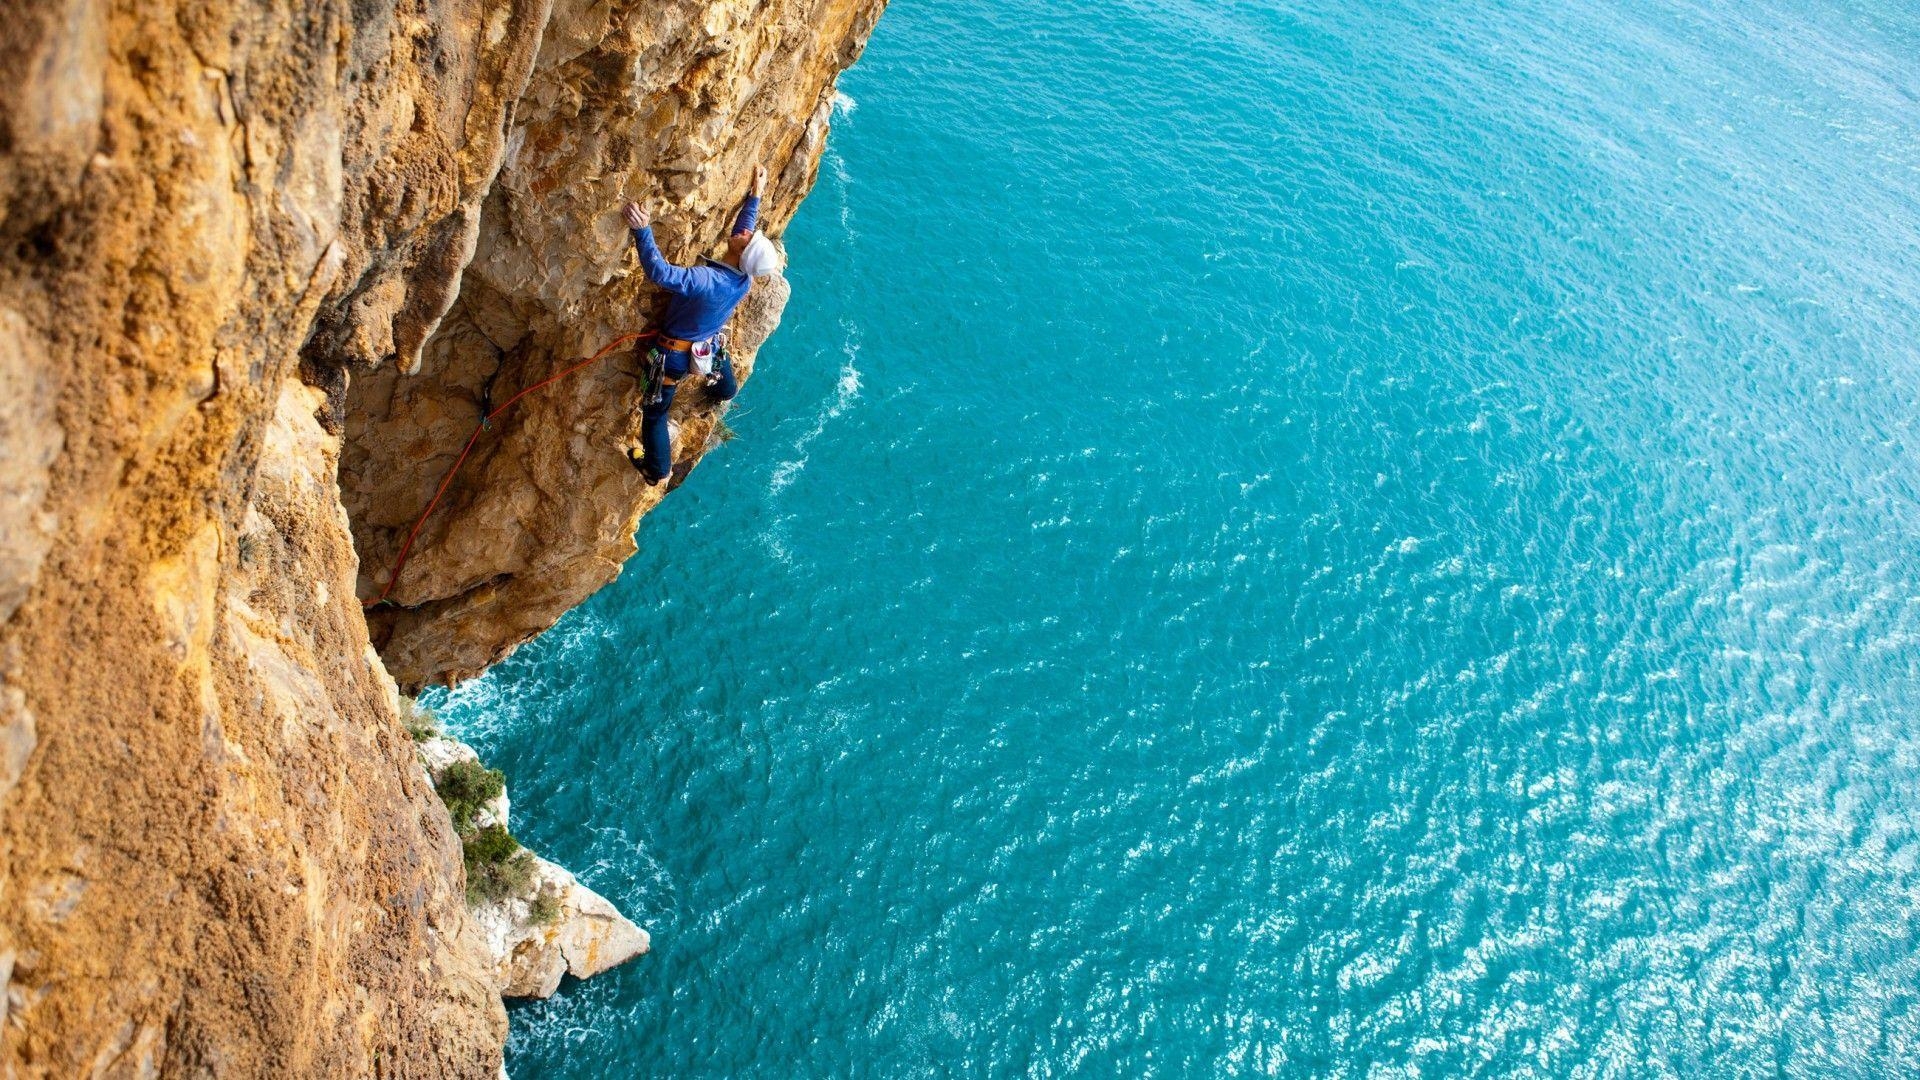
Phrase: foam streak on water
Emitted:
{"points": [[844, 393], [1365, 540]]}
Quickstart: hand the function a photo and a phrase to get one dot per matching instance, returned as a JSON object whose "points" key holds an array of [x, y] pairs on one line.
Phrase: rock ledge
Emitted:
{"points": [[584, 934]]}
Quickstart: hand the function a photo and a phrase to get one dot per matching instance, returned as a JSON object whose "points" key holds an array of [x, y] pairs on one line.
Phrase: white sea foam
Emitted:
{"points": [[842, 180], [775, 541], [845, 392]]}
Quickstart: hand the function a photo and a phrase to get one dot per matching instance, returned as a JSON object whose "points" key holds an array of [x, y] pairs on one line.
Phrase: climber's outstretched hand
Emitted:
{"points": [[636, 215], [759, 180]]}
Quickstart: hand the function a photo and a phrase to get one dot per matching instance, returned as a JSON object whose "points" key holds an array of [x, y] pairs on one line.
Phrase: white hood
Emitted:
{"points": [[761, 257]]}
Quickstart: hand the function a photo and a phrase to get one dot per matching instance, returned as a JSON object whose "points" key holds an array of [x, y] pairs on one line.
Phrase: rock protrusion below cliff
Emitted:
{"points": [[549, 924]]}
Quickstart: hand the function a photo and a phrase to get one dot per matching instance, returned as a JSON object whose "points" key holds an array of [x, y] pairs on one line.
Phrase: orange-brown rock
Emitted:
{"points": [[217, 856], [544, 513]]}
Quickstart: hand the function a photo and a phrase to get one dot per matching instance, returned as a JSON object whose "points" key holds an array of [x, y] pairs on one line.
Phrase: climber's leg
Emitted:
{"points": [[654, 456], [721, 385], [656, 442]]}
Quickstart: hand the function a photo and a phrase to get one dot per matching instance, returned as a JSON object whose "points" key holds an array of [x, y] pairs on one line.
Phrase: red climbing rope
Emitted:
{"points": [[407, 548]]}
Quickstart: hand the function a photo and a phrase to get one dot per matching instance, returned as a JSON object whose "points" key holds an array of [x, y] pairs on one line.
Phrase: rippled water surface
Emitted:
{"points": [[1299, 539]]}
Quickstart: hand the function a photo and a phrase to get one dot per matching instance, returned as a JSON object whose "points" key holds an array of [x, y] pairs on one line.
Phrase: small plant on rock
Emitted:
{"points": [[497, 868], [544, 909], [421, 723], [466, 787]]}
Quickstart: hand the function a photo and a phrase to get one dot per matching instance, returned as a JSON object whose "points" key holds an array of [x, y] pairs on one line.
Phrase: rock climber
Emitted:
{"points": [[703, 299]]}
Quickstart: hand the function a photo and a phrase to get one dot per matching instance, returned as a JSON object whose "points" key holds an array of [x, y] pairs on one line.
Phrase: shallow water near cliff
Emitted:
{"points": [[1279, 541]]}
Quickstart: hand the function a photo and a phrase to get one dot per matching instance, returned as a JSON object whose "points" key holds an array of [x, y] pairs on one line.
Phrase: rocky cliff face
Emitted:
{"points": [[669, 102], [260, 262]]}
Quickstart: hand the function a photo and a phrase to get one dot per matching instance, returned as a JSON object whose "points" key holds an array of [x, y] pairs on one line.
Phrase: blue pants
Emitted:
{"points": [[654, 436]]}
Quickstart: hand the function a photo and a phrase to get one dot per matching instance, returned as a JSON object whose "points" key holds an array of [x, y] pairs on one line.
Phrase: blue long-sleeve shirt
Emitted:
{"points": [[705, 295]]}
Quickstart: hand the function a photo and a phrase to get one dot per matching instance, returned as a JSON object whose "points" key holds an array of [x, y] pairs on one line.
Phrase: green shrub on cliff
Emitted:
{"points": [[421, 723], [466, 786], [496, 866], [544, 910]]}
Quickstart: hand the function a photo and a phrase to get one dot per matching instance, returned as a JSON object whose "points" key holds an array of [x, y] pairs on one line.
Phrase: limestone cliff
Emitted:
{"points": [[258, 261], [538, 522]]}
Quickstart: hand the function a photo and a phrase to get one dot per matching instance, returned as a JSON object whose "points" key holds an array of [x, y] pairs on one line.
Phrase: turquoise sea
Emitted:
{"points": [[1373, 539]]}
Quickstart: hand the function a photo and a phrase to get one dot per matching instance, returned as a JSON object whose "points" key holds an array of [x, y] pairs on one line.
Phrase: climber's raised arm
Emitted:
{"points": [[750, 211], [674, 279]]}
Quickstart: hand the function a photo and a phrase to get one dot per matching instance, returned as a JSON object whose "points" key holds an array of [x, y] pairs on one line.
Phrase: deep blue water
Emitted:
{"points": [[1276, 539]]}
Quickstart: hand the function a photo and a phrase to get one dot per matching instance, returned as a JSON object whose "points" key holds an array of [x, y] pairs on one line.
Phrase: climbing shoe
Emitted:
{"points": [[637, 457]]}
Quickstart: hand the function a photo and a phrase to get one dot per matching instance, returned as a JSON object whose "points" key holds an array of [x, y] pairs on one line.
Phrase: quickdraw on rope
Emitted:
{"points": [[406, 548]]}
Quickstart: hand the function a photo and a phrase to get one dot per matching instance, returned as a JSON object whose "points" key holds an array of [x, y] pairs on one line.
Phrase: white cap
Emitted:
{"points": [[761, 257]]}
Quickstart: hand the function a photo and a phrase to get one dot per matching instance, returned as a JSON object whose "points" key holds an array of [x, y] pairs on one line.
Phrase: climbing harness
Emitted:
{"points": [[653, 377], [486, 421], [702, 355]]}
